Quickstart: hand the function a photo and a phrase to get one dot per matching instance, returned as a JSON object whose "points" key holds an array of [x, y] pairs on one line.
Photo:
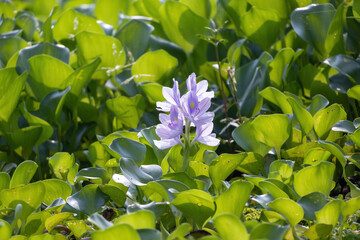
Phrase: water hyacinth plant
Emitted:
{"points": [[189, 110]]}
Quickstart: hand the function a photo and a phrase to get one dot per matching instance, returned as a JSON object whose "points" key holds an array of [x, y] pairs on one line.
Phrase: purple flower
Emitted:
{"points": [[189, 110], [195, 110], [204, 135], [172, 96], [170, 129]]}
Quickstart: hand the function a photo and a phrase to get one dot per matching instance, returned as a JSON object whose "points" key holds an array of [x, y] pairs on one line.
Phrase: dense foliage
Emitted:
{"points": [[79, 82]]}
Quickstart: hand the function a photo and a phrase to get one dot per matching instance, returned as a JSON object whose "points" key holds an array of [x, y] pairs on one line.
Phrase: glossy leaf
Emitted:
{"points": [[124, 230], [23, 173], [233, 199], [305, 183], [156, 66], [176, 17], [311, 23], [273, 130], [196, 205], [289, 209], [276, 97], [11, 87], [304, 117], [128, 148], [54, 189], [268, 231], [326, 118], [137, 175], [138, 220], [88, 200], [230, 227], [330, 213]]}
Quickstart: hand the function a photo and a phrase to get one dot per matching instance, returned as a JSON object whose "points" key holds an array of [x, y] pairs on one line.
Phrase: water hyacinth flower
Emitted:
{"points": [[189, 110]]}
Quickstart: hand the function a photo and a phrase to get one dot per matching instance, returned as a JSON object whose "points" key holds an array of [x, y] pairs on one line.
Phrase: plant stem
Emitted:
{"points": [[222, 88], [186, 148]]}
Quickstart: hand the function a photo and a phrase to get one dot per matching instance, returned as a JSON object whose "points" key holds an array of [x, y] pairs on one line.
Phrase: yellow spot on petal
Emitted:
{"points": [[176, 119], [192, 105]]}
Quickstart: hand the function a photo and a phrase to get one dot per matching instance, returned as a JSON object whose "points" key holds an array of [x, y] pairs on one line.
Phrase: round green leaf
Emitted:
{"points": [[311, 23], [316, 178], [128, 148], [54, 189], [312, 203], [325, 119], [330, 213], [304, 117], [181, 25], [276, 97], [72, 22], [318, 231], [233, 200], [196, 205], [230, 227], [4, 180], [52, 221], [273, 130], [23, 173], [268, 231], [156, 66], [138, 220], [292, 211], [88, 200], [136, 175], [5, 230], [112, 233], [61, 163]]}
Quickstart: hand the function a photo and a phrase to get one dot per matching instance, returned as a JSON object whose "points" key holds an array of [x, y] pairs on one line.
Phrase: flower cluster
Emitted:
{"points": [[189, 110]]}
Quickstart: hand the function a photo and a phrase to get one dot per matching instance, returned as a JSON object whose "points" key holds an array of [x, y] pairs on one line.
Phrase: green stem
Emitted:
{"points": [[59, 137], [278, 153], [186, 148]]}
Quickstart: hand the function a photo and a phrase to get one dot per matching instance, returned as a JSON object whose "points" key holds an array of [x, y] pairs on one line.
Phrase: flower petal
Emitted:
{"points": [[209, 140], [167, 143], [191, 82], [163, 106]]}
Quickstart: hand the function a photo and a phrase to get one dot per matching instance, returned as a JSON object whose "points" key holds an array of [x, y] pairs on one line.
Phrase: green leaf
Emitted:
{"points": [[115, 193], [318, 231], [61, 163], [280, 63], [281, 169], [316, 178], [52, 105], [312, 203], [272, 130], [127, 110], [268, 231], [234, 9], [93, 173], [289, 209], [154, 66], [253, 164], [230, 227], [134, 36], [138, 220], [326, 118], [245, 137], [47, 129], [109, 49], [180, 231], [72, 22], [112, 233], [88, 200], [51, 222], [318, 102], [278, 98], [354, 92], [100, 221], [181, 25], [153, 91], [128, 148], [264, 28], [23, 173], [304, 117], [139, 176], [9, 46], [4, 180], [350, 207], [222, 166], [110, 15], [196, 205], [58, 51], [330, 213], [47, 74], [312, 23], [47, 26], [29, 196], [344, 126], [250, 79], [5, 230], [233, 199], [11, 87], [54, 189], [334, 43], [316, 155], [346, 66]]}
